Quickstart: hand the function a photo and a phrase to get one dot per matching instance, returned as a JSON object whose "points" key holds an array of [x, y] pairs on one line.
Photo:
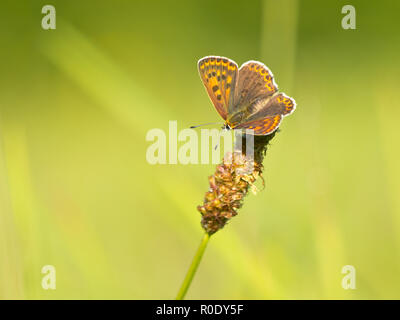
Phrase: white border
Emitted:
{"points": [[264, 66], [216, 57]]}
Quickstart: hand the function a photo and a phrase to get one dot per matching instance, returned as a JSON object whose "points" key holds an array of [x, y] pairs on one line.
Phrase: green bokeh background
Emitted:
{"points": [[77, 192]]}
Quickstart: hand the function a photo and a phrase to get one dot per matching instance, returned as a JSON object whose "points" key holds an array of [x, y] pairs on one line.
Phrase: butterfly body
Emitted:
{"points": [[246, 98]]}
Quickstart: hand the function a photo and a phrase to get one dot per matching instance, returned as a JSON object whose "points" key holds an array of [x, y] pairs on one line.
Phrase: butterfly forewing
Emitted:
{"points": [[219, 76], [255, 81]]}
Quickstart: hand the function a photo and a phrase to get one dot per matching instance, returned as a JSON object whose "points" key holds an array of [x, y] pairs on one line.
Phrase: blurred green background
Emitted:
{"points": [[77, 192]]}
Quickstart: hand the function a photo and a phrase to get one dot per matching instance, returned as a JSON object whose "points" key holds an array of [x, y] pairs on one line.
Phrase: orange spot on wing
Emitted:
{"points": [[227, 93]]}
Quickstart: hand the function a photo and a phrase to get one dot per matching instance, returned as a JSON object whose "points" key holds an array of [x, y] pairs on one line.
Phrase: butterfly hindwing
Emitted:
{"points": [[279, 103], [262, 126], [219, 76]]}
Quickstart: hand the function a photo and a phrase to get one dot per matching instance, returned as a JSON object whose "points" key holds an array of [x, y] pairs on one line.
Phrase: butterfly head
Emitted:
{"points": [[226, 126]]}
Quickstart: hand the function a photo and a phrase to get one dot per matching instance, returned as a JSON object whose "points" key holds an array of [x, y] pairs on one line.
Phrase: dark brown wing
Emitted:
{"points": [[270, 112], [255, 81], [219, 76], [279, 103]]}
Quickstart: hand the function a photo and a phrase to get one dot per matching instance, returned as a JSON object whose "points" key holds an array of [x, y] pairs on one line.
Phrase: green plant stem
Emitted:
{"points": [[193, 267]]}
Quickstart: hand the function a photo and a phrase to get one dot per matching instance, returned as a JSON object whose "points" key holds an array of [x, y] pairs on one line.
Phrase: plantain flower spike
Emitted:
{"points": [[231, 182]]}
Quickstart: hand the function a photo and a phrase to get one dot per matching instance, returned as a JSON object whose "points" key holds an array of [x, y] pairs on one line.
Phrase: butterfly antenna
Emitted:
{"points": [[204, 124]]}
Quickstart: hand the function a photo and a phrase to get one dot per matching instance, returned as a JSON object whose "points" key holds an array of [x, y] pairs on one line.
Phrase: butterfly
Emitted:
{"points": [[246, 98]]}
